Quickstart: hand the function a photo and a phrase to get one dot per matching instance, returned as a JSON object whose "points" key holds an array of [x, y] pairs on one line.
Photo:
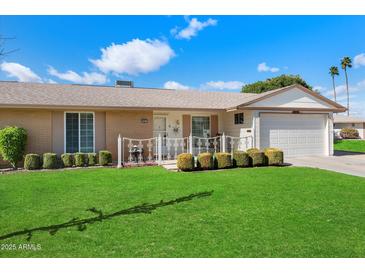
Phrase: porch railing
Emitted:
{"points": [[161, 149]]}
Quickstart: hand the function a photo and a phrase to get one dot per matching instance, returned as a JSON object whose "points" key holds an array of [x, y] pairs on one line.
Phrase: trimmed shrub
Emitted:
{"points": [[240, 159], [12, 144], [257, 158], [67, 160], [91, 157], [185, 162], [32, 161], [50, 161], [205, 161], [105, 157], [274, 156], [80, 159], [349, 133], [250, 150], [222, 160]]}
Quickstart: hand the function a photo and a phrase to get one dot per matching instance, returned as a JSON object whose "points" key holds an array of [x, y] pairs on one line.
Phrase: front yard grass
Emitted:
{"points": [[256, 212], [350, 145]]}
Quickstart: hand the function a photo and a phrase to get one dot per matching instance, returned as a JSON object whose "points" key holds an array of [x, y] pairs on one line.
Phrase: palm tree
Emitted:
{"points": [[347, 63], [334, 72]]}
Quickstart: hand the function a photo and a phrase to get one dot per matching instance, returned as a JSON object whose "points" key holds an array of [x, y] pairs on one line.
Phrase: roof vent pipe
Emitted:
{"points": [[124, 84]]}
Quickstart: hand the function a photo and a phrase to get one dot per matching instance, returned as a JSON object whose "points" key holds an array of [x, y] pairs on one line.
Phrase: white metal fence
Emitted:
{"points": [[160, 149]]}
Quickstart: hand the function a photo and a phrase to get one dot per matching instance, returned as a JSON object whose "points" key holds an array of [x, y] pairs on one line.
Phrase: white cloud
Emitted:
{"points": [[356, 102], [263, 67], [319, 88], [357, 108], [134, 57], [85, 78], [193, 28], [22, 73], [341, 89], [175, 85], [359, 60], [51, 81], [221, 85], [212, 85]]}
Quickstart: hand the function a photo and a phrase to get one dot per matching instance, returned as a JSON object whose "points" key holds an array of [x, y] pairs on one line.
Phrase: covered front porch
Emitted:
{"points": [[176, 132]]}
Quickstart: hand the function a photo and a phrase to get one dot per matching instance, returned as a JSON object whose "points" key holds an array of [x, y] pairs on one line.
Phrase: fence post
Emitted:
{"points": [[223, 142], [191, 143], [159, 149], [119, 151]]}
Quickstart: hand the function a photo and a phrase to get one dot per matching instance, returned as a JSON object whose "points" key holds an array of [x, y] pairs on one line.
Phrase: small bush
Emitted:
{"points": [[257, 158], [274, 156], [349, 133], [80, 159], [32, 161], [50, 161], [205, 161], [105, 157], [185, 162], [241, 159], [91, 159], [222, 160], [12, 144], [67, 160]]}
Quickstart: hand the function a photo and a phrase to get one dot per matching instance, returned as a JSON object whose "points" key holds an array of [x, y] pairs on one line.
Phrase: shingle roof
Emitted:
{"points": [[40, 94], [87, 96], [347, 119]]}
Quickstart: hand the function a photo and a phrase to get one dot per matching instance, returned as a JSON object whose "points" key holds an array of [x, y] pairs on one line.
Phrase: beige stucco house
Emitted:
{"points": [[341, 121], [69, 118]]}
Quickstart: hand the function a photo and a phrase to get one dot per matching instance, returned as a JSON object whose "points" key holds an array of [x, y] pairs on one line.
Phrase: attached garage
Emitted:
{"points": [[294, 119], [296, 134]]}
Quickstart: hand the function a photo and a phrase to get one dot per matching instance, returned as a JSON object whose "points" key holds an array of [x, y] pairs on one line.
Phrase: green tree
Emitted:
{"points": [[12, 144], [334, 72], [347, 63], [275, 83]]}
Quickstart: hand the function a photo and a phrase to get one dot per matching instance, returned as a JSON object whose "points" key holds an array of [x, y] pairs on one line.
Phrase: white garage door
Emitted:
{"points": [[295, 134]]}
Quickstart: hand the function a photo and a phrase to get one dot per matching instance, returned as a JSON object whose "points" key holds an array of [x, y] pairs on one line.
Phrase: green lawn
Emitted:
{"points": [[257, 212], [350, 145]]}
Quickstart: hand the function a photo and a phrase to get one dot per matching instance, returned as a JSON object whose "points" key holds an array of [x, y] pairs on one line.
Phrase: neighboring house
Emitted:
{"points": [[70, 118], [341, 121]]}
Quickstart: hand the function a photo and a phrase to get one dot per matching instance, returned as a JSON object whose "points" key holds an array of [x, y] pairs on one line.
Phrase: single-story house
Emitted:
{"points": [[341, 121], [69, 118]]}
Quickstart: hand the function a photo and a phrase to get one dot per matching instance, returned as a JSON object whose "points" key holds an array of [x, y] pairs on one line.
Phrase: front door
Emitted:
{"points": [[159, 126]]}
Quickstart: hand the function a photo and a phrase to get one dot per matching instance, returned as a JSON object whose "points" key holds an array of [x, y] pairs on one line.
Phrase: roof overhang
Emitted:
{"points": [[352, 121], [103, 108], [294, 109]]}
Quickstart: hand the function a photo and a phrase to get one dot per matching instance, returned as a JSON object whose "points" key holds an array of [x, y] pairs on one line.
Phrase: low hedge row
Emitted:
{"points": [[251, 158], [51, 161]]}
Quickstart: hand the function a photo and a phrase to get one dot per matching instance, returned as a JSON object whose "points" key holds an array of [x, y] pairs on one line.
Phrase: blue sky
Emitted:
{"points": [[200, 52]]}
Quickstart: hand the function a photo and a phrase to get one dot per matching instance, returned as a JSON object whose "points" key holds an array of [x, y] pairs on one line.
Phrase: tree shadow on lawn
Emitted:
{"points": [[81, 224]]}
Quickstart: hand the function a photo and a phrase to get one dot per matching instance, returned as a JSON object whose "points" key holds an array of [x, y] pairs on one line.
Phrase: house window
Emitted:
{"points": [[238, 118], [200, 126], [79, 132]]}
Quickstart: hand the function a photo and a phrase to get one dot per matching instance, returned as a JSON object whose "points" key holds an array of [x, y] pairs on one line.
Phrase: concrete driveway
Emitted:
{"points": [[344, 162]]}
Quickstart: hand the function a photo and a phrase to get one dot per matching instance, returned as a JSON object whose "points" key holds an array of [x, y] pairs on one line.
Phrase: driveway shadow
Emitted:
{"points": [[346, 153]]}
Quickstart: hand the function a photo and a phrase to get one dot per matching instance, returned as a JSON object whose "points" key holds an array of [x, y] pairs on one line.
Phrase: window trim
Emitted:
{"points": [[64, 128], [243, 117]]}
